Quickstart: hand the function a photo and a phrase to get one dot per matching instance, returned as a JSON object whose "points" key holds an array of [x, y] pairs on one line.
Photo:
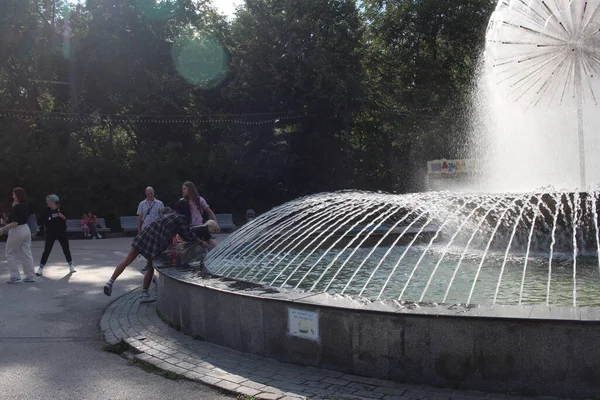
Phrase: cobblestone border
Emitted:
{"points": [[154, 342]]}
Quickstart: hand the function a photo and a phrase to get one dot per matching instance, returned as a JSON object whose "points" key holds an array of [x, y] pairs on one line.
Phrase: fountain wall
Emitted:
{"points": [[532, 350]]}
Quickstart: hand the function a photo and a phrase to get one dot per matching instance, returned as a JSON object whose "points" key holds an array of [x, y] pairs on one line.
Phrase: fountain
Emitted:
{"points": [[497, 290]]}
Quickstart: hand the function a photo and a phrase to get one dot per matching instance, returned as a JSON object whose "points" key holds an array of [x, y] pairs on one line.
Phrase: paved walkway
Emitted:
{"points": [[141, 327], [51, 346]]}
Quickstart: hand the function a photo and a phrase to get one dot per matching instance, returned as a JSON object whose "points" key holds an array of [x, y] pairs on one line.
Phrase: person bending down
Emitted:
{"points": [[152, 242]]}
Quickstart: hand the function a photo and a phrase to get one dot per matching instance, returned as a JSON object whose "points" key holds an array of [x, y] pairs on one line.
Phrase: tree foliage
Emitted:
{"points": [[287, 98]]}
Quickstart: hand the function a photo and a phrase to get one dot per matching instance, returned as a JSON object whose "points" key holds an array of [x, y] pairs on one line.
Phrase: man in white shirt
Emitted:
{"points": [[149, 210]]}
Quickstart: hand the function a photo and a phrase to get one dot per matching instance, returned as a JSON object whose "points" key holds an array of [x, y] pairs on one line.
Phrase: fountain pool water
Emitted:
{"points": [[434, 247]]}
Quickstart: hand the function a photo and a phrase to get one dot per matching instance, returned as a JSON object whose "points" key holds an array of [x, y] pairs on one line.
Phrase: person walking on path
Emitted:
{"points": [[55, 227], [19, 239], [151, 242]]}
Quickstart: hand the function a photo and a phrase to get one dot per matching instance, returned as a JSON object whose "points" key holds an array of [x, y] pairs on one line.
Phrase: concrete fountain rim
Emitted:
{"points": [[404, 308]]}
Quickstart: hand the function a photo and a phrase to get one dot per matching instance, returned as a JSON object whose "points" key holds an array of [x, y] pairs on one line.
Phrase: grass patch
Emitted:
{"points": [[166, 321], [117, 348], [147, 367], [246, 397], [198, 337]]}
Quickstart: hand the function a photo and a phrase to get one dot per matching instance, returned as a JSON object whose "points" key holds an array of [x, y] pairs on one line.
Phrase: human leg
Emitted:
{"points": [[28, 263], [64, 243], [48, 245], [149, 275], [133, 253], [13, 245], [145, 297]]}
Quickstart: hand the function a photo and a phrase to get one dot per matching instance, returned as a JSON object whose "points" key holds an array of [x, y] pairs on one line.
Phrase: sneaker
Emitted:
{"points": [[40, 271], [94, 238], [108, 289], [99, 236], [146, 298], [29, 280], [13, 280], [71, 268]]}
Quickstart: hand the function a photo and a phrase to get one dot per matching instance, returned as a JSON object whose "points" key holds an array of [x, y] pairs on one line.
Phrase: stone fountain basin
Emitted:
{"points": [[531, 349]]}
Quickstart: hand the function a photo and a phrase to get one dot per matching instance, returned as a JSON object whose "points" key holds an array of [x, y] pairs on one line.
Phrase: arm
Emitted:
{"points": [[139, 218], [7, 228], [186, 233], [208, 210], [211, 214]]}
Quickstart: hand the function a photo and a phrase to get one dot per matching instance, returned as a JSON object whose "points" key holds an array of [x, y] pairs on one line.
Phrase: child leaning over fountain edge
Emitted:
{"points": [[153, 241]]}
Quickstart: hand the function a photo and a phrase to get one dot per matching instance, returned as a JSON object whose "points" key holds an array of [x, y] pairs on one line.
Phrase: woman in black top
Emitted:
{"points": [[55, 228], [19, 239]]}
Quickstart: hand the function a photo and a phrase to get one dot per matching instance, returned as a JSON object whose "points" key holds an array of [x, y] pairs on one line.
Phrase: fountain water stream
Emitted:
{"points": [[531, 248]]}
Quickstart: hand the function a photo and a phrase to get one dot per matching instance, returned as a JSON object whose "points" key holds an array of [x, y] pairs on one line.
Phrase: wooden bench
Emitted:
{"points": [[74, 226], [225, 222], [129, 224]]}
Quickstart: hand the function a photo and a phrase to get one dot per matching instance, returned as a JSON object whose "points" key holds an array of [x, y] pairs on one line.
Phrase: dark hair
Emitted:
{"points": [[183, 208], [192, 192], [21, 195]]}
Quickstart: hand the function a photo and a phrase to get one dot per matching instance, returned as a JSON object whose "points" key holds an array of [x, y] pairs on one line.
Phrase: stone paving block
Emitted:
{"points": [[216, 374], [336, 381], [227, 385], [193, 376], [209, 380], [292, 379], [390, 391], [146, 357], [265, 373], [319, 385], [186, 365], [248, 391], [325, 372], [368, 394], [380, 382], [235, 378], [362, 386], [260, 379], [354, 378], [288, 387], [272, 389], [254, 385], [268, 396], [177, 370], [342, 389]]}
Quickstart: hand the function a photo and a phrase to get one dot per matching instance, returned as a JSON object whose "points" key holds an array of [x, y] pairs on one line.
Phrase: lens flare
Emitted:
{"points": [[201, 60]]}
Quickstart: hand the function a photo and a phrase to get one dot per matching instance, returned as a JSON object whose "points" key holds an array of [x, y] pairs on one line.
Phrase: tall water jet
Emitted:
{"points": [[537, 96]]}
